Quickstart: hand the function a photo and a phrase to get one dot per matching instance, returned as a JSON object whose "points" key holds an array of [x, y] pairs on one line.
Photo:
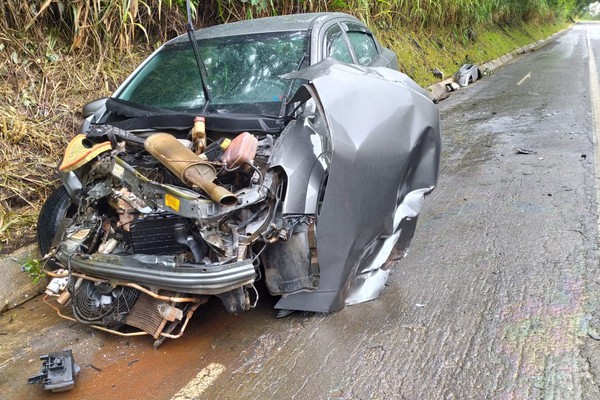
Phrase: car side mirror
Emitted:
{"points": [[90, 108]]}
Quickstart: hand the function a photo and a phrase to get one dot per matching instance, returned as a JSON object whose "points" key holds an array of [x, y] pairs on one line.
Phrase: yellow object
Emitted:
{"points": [[78, 155], [199, 134], [225, 144], [172, 202]]}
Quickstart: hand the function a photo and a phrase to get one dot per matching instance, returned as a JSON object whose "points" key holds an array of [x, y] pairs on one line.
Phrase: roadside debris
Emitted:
{"points": [[58, 372], [452, 86], [468, 73], [92, 366], [488, 72], [593, 334], [525, 151]]}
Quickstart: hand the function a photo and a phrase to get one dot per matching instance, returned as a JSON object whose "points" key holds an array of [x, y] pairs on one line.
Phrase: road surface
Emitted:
{"points": [[499, 297]]}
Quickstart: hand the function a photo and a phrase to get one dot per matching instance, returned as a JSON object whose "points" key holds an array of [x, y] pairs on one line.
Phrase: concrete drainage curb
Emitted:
{"points": [[438, 91], [16, 286]]}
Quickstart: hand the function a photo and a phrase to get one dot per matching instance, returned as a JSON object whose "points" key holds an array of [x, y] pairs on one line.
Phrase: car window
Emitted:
{"points": [[336, 46], [169, 80], [240, 70], [364, 46]]}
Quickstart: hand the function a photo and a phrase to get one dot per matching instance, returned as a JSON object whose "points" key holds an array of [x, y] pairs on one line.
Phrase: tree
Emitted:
{"points": [[594, 9]]}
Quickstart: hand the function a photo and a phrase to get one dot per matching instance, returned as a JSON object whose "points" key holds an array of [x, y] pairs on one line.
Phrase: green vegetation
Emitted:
{"points": [[102, 24], [56, 55], [33, 267], [43, 84], [592, 11], [418, 53]]}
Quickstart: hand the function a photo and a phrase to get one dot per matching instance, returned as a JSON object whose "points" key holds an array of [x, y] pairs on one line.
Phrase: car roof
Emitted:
{"points": [[283, 23]]}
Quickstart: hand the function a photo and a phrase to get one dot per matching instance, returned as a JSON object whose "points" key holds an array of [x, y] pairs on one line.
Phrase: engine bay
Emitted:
{"points": [[185, 216]]}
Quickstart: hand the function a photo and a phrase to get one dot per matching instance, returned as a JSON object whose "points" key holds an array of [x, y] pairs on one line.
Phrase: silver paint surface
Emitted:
{"points": [[375, 163]]}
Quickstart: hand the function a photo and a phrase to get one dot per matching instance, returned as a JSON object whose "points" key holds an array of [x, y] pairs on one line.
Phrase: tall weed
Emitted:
{"points": [[103, 24]]}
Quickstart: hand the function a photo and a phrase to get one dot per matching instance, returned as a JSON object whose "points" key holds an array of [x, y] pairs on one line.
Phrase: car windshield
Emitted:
{"points": [[242, 74]]}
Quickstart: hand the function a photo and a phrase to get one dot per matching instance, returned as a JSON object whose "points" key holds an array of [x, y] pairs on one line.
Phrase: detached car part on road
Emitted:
{"points": [[467, 74], [288, 149]]}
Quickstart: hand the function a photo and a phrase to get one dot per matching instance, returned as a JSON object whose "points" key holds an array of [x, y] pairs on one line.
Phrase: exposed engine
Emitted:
{"points": [[184, 218]]}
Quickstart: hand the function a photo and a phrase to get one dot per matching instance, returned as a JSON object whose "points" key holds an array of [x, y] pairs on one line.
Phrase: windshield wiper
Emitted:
{"points": [[199, 61]]}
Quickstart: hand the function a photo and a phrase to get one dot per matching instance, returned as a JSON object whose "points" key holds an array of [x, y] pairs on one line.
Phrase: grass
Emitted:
{"points": [[102, 25], [43, 85], [34, 268], [419, 52]]}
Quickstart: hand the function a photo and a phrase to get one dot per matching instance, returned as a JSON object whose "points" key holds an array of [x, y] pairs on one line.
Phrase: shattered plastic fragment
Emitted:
{"points": [[451, 87], [58, 372]]}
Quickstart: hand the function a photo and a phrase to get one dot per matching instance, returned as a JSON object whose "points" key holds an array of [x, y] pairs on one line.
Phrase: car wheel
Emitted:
{"points": [[56, 207]]}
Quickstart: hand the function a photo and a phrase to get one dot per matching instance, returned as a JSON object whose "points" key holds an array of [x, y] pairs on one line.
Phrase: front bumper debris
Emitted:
{"points": [[162, 272]]}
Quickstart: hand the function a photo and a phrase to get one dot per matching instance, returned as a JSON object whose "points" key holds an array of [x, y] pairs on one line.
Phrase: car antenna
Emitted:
{"points": [[199, 61]]}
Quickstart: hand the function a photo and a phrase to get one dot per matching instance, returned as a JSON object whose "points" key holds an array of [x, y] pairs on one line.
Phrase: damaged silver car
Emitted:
{"points": [[287, 149]]}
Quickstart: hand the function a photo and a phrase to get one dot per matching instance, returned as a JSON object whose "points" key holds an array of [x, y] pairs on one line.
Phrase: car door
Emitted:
{"points": [[363, 45], [349, 41], [336, 45]]}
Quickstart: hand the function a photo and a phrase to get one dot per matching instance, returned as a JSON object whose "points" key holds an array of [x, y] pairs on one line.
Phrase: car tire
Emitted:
{"points": [[57, 206]]}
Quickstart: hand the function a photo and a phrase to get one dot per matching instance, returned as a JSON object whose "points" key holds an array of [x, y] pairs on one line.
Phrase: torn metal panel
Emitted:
{"points": [[376, 162], [369, 282], [367, 286], [303, 152]]}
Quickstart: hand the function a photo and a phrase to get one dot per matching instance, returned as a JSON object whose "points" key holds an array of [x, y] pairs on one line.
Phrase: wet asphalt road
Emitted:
{"points": [[499, 297]]}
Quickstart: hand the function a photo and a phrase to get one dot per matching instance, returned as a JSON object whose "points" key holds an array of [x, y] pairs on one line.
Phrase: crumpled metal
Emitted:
{"points": [[385, 134]]}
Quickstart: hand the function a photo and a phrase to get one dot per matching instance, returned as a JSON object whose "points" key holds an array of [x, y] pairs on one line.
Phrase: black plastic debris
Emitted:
{"points": [[438, 73], [520, 150], [58, 372]]}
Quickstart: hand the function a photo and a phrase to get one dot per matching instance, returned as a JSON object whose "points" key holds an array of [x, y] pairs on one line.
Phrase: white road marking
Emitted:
{"points": [[200, 383], [524, 79], [595, 97]]}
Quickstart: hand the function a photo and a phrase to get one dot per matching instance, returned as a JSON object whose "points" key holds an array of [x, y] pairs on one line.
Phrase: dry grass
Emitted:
{"points": [[42, 87]]}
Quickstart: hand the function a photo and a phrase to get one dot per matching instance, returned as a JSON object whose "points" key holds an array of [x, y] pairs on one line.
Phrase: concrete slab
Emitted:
{"points": [[16, 287]]}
